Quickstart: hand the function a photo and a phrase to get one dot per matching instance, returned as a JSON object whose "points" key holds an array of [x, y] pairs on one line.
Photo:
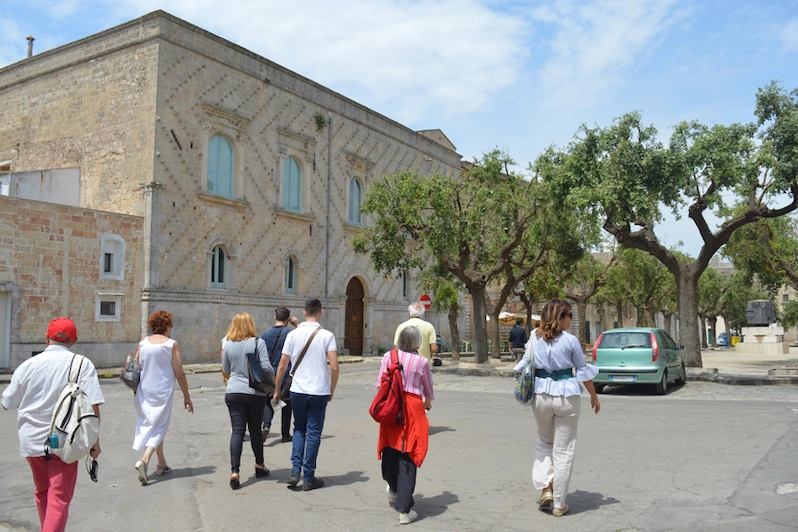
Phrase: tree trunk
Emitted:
{"points": [[455, 332], [493, 331], [702, 327], [666, 325], [602, 318], [480, 328], [642, 319], [619, 312], [688, 317], [581, 311], [713, 324]]}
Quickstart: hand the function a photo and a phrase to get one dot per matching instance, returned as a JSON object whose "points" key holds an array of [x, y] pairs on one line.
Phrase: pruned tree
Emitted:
{"points": [[587, 276], [473, 226], [624, 176]]}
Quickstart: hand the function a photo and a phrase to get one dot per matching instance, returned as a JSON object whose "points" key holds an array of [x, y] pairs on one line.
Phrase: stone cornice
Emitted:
{"points": [[235, 120]]}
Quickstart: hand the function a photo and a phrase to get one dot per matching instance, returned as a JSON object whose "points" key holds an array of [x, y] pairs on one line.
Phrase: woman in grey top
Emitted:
{"points": [[245, 404]]}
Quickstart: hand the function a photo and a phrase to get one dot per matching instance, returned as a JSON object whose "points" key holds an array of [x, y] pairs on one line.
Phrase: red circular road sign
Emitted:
{"points": [[426, 301]]}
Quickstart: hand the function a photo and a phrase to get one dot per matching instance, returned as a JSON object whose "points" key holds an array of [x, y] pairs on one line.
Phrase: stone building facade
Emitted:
{"points": [[243, 176]]}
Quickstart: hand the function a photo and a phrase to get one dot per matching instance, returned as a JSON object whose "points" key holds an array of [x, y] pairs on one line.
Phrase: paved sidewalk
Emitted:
{"points": [[721, 365]]}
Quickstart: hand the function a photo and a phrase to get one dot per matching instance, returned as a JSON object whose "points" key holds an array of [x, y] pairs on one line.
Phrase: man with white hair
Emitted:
{"points": [[428, 338]]}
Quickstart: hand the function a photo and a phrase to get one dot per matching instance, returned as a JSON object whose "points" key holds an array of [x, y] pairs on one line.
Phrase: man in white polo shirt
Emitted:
{"points": [[34, 390], [312, 388]]}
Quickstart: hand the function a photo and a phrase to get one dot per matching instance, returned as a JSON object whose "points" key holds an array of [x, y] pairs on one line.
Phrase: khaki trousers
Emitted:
{"points": [[556, 418]]}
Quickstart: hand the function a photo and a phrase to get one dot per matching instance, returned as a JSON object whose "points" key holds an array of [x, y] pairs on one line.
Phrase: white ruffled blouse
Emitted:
{"points": [[563, 352]]}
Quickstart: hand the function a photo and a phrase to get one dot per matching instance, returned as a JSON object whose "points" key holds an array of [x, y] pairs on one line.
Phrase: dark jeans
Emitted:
{"points": [[286, 428], [399, 471], [246, 410], [309, 412]]}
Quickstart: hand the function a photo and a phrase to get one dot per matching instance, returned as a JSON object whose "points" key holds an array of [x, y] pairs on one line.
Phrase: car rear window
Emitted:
{"points": [[627, 339]]}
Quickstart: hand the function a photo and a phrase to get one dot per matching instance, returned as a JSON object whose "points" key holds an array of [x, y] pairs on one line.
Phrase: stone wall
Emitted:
{"points": [[87, 105], [50, 262]]}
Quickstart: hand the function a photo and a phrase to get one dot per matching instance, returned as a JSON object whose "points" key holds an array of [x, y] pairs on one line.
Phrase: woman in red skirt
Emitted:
{"points": [[402, 449]]}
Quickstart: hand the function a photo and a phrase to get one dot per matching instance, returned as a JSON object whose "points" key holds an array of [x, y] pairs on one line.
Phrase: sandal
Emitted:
{"points": [[559, 512], [162, 470], [261, 471], [546, 498]]}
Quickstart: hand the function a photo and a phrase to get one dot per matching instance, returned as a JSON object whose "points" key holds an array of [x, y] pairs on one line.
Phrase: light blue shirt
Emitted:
{"points": [[563, 352]]}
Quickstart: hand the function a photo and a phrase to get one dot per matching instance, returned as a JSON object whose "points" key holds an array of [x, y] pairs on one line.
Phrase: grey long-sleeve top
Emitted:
{"points": [[234, 363]]}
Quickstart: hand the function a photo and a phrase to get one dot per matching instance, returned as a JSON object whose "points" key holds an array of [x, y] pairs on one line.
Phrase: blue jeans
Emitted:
{"points": [[309, 411]]}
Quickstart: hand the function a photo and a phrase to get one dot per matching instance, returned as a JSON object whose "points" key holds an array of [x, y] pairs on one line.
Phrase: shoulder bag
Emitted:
{"points": [[131, 373], [258, 379], [525, 389], [285, 389]]}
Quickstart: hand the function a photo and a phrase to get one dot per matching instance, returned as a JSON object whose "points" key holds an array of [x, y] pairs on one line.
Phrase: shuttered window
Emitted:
{"points": [[292, 186], [220, 167]]}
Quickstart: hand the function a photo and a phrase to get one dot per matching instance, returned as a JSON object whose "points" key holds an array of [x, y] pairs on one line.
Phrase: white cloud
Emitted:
{"points": [[789, 35], [594, 42], [444, 57]]}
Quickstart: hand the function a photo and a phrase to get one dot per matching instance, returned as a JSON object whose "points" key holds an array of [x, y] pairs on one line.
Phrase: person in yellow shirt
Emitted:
{"points": [[428, 338]]}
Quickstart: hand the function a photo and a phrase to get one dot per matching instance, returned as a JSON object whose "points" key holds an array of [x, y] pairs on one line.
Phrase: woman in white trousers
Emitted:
{"points": [[556, 354]]}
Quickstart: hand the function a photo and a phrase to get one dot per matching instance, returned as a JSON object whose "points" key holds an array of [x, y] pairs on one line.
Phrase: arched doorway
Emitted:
{"points": [[353, 327]]}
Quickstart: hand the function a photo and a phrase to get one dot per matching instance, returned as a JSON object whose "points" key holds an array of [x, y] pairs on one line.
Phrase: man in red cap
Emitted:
{"points": [[34, 390]]}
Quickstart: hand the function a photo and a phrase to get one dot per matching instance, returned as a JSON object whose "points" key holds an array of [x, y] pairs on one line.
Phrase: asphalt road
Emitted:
{"points": [[704, 457]]}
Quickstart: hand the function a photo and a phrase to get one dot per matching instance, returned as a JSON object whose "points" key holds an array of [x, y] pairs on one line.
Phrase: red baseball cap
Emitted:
{"points": [[62, 330]]}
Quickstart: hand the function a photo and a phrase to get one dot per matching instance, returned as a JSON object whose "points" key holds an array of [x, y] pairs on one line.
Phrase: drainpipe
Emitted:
{"points": [[30, 45], [329, 185]]}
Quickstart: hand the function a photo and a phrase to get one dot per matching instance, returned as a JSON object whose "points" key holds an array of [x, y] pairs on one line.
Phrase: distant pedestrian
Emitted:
{"points": [[313, 386], [161, 366], [404, 448], [34, 390], [274, 339], [429, 341], [557, 353], [244, 404], [518, 339]]}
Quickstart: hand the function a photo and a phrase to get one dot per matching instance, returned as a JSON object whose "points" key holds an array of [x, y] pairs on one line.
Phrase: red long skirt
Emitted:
{"points": [[413, 438]]}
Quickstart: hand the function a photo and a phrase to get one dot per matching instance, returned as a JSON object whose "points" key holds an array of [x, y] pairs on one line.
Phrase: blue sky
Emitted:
{"points": [[519, 75]]}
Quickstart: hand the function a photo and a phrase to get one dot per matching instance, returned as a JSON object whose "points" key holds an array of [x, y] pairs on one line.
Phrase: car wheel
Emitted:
{"points": [[598, 387], [662, 387], [683, 378]]}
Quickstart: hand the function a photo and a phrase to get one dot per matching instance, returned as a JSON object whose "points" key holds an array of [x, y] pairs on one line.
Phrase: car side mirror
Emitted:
{"points": [[680, 346]]}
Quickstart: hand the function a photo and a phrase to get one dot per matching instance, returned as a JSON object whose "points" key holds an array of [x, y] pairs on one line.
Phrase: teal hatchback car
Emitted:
{"points": [[638, 355]]}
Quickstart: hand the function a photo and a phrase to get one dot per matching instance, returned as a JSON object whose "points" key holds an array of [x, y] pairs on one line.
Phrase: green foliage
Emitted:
{"points": [[789, 314], [736, 297], [768, 249]]}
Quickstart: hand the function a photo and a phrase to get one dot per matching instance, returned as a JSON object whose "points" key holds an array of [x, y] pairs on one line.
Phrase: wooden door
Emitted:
{"points": [[353, 328]]}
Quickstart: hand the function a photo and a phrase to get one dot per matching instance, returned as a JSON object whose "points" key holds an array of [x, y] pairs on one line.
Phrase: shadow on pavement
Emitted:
{"points": [[183, 472], [436, 430], [432, 506], [583, 501], [639, 389], [343, 480]]}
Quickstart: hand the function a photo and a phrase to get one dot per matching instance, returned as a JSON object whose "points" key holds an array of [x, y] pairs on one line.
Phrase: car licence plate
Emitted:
{"points": [[623, 378]]}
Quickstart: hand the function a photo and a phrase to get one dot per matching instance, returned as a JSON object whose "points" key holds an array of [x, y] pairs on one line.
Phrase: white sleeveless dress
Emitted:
{"points": [[153, 398]]}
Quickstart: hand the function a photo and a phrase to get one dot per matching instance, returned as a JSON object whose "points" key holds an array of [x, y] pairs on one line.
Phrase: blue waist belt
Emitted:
{"points": [[559, 375]]}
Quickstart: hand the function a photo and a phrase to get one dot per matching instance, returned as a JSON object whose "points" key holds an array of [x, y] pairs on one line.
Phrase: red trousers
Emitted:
{"points": [[55, 485]]}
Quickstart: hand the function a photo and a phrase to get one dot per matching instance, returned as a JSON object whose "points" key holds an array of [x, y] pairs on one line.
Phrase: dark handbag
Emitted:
{"points": [[285, 389], [131, 373], [258, 379]]}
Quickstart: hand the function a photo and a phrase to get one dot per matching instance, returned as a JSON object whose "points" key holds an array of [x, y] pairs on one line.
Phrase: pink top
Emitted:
{"points": [[416, 376]]}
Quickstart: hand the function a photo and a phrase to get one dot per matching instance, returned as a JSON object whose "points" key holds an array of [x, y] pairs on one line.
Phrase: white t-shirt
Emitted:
{"points": [[34, 390], [313, 375]]}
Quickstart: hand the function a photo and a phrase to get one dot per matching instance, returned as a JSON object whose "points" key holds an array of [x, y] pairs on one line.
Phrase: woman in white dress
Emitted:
{"points": [[161, 365], [559, 367]]}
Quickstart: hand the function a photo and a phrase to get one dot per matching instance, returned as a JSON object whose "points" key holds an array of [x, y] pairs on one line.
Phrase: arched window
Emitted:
{"points": [[220, 166], [112, 257], [355, 200], [218, 264], [292, 186], [290, 275]]}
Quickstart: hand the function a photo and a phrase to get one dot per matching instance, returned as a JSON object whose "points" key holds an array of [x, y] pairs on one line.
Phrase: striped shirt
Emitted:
{"points": [[416, 376]]}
